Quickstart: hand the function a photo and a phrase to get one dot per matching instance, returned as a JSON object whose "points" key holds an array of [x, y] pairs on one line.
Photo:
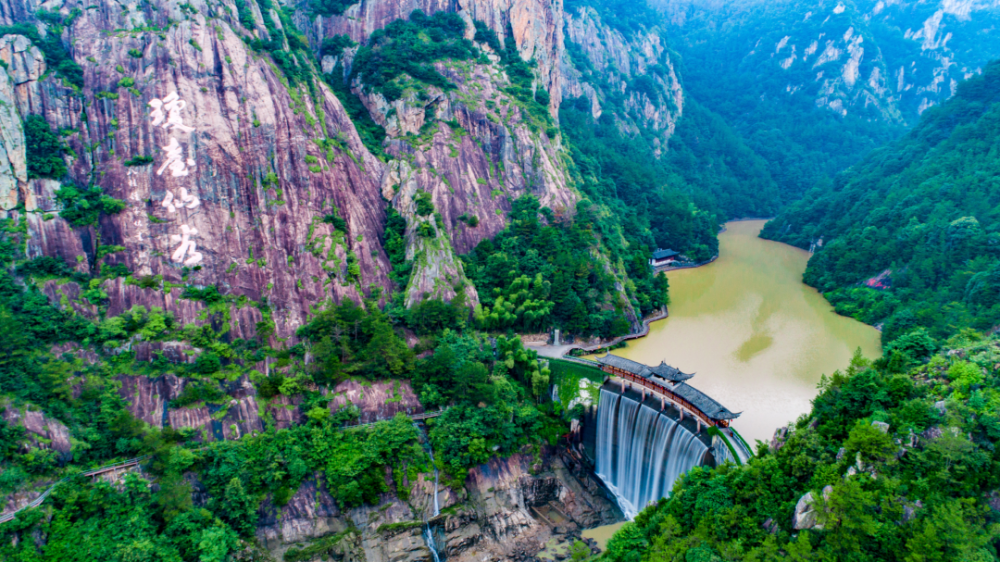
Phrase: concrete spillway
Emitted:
{"points": [[641, 451]]}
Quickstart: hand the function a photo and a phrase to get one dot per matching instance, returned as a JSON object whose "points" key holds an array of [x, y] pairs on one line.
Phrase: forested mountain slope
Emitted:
{"points": [[894, 463], [814, 86], [910, 235], [231, 228], [898, 459], [619, 130]]}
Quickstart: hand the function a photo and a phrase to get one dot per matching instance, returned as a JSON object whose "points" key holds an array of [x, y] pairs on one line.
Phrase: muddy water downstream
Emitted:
{"points": [[757, 338]]}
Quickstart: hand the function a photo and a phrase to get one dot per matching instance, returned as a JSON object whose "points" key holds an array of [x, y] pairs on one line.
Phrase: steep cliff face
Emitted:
{"points": [[536, 26], [497, 513], [471, 147], [889, 60], [242, 411], [613, 63], [478, 157], [956, 38], [244, 165]]}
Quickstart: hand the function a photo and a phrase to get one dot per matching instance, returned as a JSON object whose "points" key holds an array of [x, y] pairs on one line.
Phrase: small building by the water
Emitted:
{"points": [[663, 257]]}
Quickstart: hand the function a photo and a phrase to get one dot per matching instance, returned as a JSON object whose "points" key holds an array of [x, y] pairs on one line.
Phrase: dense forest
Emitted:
{"points": [[706, 164], [899, 454], [910, 235], [919, 490], [774, 111], [492, 386]]}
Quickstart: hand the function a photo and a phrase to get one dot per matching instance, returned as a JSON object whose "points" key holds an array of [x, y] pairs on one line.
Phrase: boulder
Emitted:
{"points": [[805, 516]]}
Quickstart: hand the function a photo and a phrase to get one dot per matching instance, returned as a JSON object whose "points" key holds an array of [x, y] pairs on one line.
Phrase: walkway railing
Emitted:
{"points": [[5, 517], [414, 417], [640, 334], [740, 444]]}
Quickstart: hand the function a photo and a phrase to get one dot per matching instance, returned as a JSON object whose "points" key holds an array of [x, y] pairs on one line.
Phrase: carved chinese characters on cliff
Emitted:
{"points": [[167, 113]]}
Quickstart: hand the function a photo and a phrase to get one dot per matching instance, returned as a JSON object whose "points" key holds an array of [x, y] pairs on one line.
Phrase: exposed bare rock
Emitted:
{"points": [[13, 162], [285, 411], [44, 432], [147, 397], [620, 59], [311, 512], [805, 516], [242, 418], [778, 441], [48, 233], [25, 65], [496, 514], [474, 166], [910, 509], [931, 433], [199, 419], [536, 26], [87, 355], [404, 545], [21, 498], [172, 351], [248, 148], [378, 400], [505, 495]]}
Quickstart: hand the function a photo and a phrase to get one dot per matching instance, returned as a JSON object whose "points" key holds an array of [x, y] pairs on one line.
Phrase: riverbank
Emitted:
{"points": [[562, 351], [669, 268], [757, 337]]}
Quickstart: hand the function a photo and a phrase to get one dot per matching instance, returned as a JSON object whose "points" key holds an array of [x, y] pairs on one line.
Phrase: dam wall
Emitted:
{"points": [[641, 450]]}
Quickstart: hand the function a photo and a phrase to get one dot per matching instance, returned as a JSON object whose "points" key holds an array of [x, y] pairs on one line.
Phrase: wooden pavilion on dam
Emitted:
{"points": [[668, 382]]}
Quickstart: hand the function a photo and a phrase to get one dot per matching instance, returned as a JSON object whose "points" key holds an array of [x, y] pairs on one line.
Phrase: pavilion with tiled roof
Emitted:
{"points": [[669, 383]]}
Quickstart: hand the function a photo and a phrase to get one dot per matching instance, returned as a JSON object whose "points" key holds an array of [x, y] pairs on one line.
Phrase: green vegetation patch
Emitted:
{"points": [[57, 57], [540, 273], [44, 149], [409, 47], [911, 236]]}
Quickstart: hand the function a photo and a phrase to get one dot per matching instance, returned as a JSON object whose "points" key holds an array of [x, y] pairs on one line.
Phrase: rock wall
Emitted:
{"points": [[239, 173], [616, 61], [243, 411], [536, 26], [42, 431], [495, 515], [246, 165]]}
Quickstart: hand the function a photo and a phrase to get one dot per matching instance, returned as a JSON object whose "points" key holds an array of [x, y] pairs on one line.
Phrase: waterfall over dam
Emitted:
{"points": [[641, 451]]}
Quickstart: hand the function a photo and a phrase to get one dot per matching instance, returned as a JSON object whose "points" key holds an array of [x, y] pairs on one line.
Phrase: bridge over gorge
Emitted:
{"points": [[651, 427]]}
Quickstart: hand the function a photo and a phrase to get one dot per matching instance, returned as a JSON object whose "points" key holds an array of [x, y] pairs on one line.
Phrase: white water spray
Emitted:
{"points": [[429, 539], [428, 532], [652, 451]]}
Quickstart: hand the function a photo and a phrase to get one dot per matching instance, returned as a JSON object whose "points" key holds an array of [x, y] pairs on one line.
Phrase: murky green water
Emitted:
{"points": [[602, 534], [757, 338]]}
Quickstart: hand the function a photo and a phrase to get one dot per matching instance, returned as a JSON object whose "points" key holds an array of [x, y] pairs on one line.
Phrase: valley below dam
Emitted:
{"points": [[757, 338]]}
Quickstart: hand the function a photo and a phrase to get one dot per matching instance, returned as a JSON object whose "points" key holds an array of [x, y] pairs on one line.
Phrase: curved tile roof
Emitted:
{"points": [[662, 371], [664, 374]]}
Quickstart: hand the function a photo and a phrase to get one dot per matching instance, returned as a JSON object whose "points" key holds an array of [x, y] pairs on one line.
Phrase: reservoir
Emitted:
{"points": [[757, 338]]}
